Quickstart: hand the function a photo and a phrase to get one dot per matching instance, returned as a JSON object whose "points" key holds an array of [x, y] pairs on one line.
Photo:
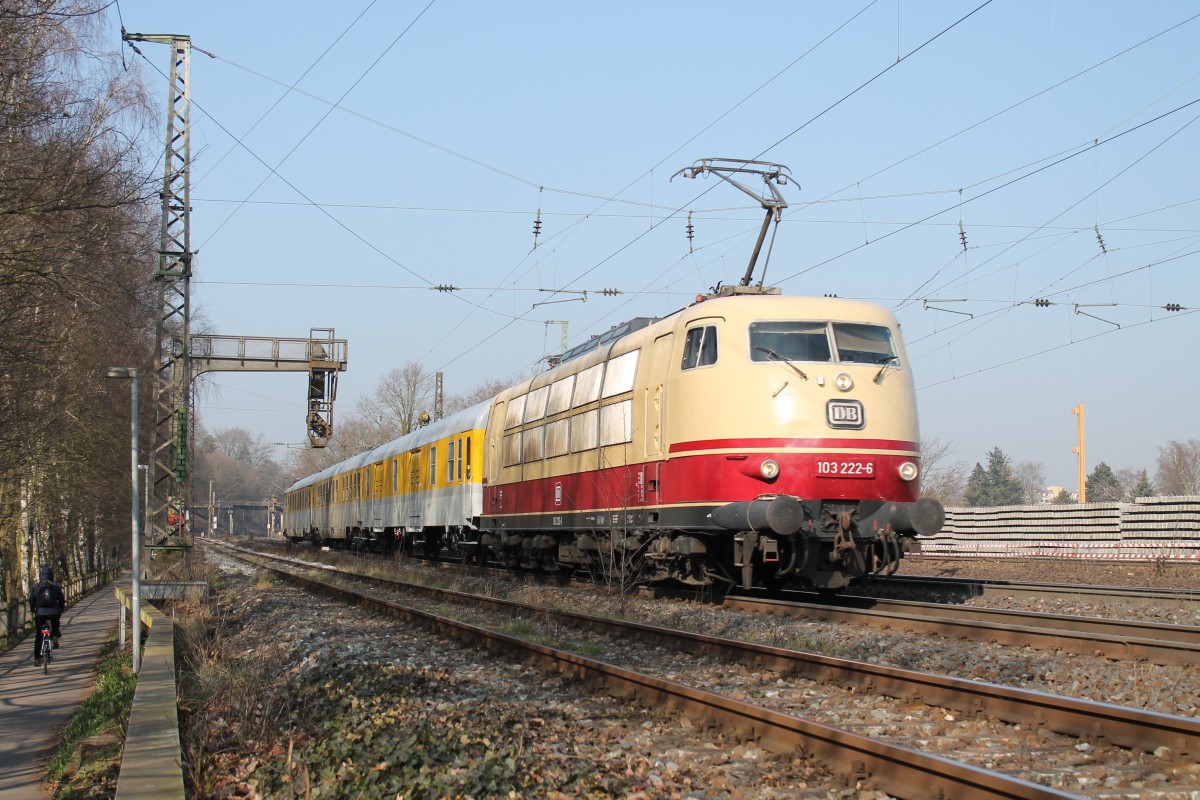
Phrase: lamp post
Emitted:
{"points": [[132, 374]]}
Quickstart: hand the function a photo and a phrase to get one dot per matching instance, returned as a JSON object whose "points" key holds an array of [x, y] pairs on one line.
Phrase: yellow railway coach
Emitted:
{"points": [[423, 489]]}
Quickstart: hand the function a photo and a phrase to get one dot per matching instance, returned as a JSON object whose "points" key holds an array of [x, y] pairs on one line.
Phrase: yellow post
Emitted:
{"points": [[1078, 410]]}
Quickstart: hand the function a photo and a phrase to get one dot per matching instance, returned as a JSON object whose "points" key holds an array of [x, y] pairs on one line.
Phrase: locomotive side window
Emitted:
{"points": [[535, 404], [557, 439], [618, 378], [531, 444], [584, 431], [560, 395], [587, 386], [869, 344], [616, 423], [514, 412], [700, 347], [512, 450], [789, 341]]}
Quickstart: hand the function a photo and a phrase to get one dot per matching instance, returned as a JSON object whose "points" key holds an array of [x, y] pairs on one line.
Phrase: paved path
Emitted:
{"points": [[33, 706]]}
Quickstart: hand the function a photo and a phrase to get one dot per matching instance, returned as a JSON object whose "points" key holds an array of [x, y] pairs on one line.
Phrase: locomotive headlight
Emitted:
{"points": [[843, 382], [769, 469], [908, 471]]}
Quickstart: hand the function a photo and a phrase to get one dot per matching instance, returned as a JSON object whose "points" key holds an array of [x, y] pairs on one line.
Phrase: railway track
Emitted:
{"points": [[1157, 643], [911, 774], [963, 589]]}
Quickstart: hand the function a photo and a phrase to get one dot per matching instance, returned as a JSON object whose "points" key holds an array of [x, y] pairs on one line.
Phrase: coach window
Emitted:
{"points": [[433, 465], [560, 396], [450, 461], [535, 404], [789, 341], [395, 476], [584, 431], [587, 385], [468, 458], [514, 412], [461, 457], [618, 378], [700, 347]]}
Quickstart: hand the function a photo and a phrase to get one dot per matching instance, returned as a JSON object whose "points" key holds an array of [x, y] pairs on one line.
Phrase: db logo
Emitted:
{"points": [[845, 414]]}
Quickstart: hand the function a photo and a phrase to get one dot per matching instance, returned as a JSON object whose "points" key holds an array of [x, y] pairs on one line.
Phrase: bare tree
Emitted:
{"points": [[402, 395], [943, 480], [1033, 480], [76, 244], [1128, 479], [240, 445], [1178, 468], [481, 392]]}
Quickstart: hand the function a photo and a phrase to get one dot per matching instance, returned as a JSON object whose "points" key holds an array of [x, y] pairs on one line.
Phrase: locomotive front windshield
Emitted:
{"points": [[841, 342]]}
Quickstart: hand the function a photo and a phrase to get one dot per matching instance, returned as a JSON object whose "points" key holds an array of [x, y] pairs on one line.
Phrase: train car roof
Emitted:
{"points": [[471, 418]]}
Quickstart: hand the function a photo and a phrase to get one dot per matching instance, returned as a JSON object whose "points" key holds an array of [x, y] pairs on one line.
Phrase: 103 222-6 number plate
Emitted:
{"points": [[846, 468]]}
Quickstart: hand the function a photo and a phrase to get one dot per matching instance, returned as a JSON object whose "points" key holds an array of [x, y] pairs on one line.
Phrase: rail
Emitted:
{"points": [[151, 764]]}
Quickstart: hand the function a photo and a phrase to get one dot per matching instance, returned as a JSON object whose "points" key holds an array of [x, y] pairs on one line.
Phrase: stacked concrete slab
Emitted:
{"points": [[1150, 528]]}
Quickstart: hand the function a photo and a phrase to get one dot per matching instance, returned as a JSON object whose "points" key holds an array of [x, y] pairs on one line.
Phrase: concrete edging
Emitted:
{"points": [[151, 764]]}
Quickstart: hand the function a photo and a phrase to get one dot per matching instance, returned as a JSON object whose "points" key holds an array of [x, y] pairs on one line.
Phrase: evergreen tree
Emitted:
{"points": [[1004, 489], [977, 487], [1102, 485], [995, 486], [1143, 488]]}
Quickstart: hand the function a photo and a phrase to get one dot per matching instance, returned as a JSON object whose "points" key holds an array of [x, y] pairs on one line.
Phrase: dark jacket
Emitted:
{"points": [[47, 599]]}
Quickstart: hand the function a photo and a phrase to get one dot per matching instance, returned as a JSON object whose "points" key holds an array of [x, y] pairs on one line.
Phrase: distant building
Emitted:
{"points": [[1050, 492]]}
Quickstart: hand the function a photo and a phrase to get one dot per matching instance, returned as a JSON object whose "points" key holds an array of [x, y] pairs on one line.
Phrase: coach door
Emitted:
{"points": [[414, 500]]}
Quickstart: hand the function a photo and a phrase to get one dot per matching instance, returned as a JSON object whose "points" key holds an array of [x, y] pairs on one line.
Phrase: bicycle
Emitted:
{"points": [[46, 647]]}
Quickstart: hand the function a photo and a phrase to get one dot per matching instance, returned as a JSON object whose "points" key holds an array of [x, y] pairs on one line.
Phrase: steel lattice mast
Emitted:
{"points": [[170, 457]]}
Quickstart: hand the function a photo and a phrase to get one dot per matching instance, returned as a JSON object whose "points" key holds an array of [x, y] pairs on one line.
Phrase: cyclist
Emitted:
{"points": [[47, 602]]}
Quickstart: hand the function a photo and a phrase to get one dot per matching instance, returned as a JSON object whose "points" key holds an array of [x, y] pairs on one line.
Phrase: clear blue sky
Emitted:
{"points": [[459, 120]]}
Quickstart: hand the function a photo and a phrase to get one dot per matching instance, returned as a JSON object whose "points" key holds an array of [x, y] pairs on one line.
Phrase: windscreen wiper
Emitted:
{"points": [[885, 361], [778, 357]]}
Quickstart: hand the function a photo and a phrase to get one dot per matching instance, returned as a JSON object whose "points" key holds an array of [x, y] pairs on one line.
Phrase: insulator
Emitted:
{"points": [[962, 235], [537, 225], [1041, 302], [1100, 239], [1173, 307]]}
